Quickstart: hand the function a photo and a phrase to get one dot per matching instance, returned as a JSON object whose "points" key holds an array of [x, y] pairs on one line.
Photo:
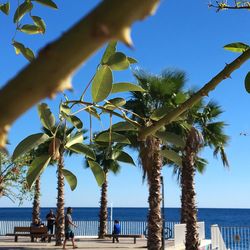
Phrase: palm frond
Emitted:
{"points": [[200, 164], [220, 150]]}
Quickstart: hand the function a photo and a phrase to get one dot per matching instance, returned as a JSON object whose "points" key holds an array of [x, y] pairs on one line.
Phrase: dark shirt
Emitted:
{"points": [[117, 228], [50, 219]]}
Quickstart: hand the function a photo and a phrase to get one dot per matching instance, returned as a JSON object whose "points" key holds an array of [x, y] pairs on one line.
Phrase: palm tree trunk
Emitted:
{"points": [[152, 164], [36, 201], [103, 215], [188, 172], [60, 203], [184, 201]]}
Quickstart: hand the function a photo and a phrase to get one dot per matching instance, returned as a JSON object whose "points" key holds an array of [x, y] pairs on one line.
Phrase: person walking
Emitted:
{"points": [[69, 234]]}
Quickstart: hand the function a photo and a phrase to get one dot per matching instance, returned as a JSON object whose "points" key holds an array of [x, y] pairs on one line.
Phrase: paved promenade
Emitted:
{"points": [[7, 243]]}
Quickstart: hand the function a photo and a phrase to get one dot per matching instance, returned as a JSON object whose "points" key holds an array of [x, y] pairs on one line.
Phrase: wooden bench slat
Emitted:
{"points": [[134, 236], [125, 235], [33, 232]]}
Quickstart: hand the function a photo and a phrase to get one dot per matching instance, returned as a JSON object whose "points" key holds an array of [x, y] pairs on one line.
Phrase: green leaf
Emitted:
{"points": [[236, 47], [124, 126], [22, 10], [93, 112], [47, 118], [172, 155], [180, 98], [110, 50], [19, 47], [48, 3], [29, 143], [37, 167], [159, 113], [5, 8], [114, 103], [247, 82], [83, 149], [30, 29], [102, 84], [97, 171], [123, 157], [26, 52], [77, 123], [115, 137], [77, 138], [125, 87], [172, 138], [64, 108], [118, 61], [71, 178], [131, 60], [39, 23]]}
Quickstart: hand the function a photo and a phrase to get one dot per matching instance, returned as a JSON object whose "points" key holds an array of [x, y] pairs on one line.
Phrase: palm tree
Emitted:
{"points": [[205, 131], [108, 156], [57, 149], [160, 97], [50, 147]]}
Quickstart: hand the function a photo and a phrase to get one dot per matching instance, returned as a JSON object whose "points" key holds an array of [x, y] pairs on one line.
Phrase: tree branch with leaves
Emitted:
{"points": [[47, 75]]}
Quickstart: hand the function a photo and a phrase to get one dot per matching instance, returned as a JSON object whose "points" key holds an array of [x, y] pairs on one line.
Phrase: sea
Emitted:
{"points": [[220, 216]]}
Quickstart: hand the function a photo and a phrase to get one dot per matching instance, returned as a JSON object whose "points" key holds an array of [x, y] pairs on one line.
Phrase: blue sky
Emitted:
{"points": [[184, 35]]}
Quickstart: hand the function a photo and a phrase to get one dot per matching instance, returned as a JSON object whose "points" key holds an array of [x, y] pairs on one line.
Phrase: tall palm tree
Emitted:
{"points": [[205, 131], [108, 156], [50, 147], [56, 148], [160, 97]]}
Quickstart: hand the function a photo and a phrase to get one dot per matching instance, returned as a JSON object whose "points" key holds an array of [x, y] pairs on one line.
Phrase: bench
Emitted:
{"points": [[32, 232], [135, 236]]}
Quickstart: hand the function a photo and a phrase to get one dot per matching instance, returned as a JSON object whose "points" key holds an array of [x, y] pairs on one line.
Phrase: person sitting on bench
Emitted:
{"points": [[116, 231]]}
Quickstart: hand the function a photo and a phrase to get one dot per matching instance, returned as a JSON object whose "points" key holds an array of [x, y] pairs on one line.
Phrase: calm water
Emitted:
{"points": [[222, 217]]}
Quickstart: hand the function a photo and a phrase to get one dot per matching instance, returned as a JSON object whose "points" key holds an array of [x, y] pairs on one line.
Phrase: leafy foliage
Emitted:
{"points": [[71, 178], [118, 61], [111, 137], [247, 82], [38, 165], [21, 10], [33, 24], [237, 47], [5, 8], [125, 86], [97, 171], [102, 84], [47, 118], [28, 144], [48, 3], [26, 52], [13, 184]]}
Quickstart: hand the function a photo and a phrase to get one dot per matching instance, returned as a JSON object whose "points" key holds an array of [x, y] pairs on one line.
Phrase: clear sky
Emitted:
{"points": [[182, 34]]}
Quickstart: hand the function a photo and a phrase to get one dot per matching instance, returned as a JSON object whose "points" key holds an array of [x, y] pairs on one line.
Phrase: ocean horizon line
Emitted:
{"points": [[122, 207]]}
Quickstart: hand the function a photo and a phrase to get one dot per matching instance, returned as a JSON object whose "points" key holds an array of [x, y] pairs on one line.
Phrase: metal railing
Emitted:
{"points": [[236, 238], [89, 228]]}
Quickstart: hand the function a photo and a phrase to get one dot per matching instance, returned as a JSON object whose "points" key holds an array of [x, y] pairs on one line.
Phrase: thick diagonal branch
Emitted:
{"points": [[222, 75]]}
